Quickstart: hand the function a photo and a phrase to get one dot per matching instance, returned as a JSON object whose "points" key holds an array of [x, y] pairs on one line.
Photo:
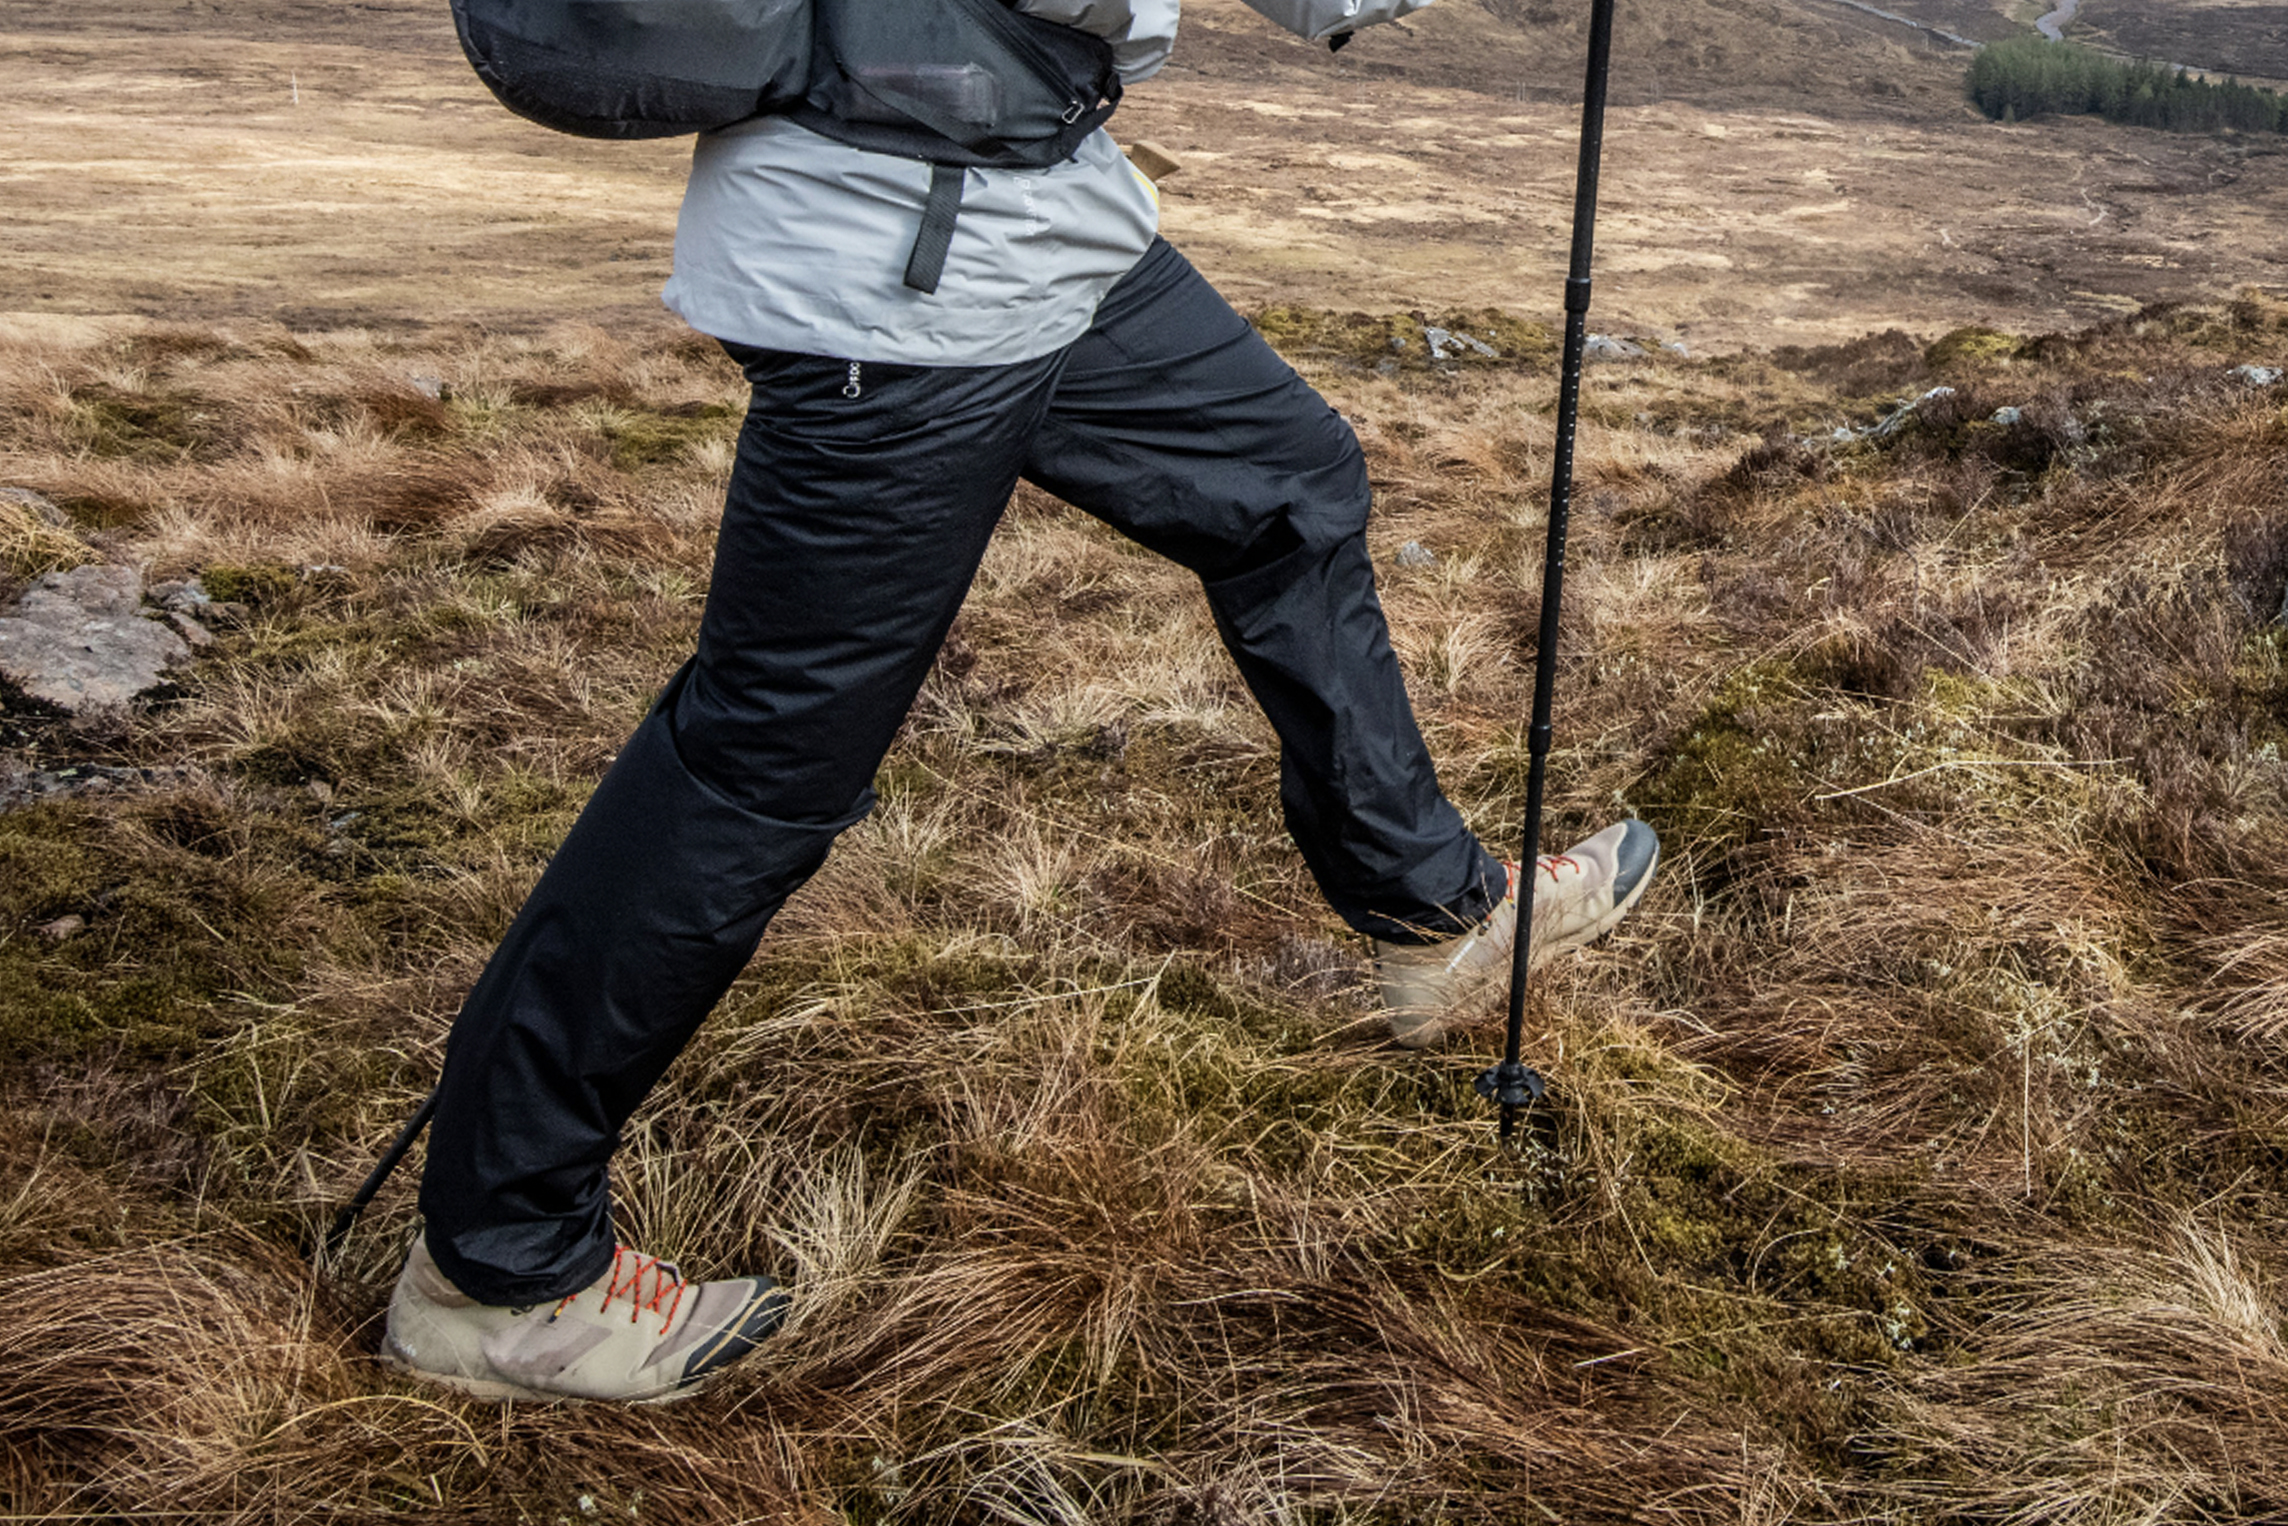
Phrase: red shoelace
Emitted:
{"points": [[1549, 863], [630, 1271]]}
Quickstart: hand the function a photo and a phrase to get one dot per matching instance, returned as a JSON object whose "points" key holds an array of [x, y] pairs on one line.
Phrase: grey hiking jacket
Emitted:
{"points": [[790, 241]]}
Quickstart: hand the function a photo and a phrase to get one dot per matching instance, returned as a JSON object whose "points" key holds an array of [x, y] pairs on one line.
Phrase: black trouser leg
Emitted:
{"points": [[1175, 423], [853, 528]]}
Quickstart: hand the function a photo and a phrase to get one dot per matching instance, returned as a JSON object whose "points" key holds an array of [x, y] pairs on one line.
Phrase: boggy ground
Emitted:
{"points": [[1922, 1140]]}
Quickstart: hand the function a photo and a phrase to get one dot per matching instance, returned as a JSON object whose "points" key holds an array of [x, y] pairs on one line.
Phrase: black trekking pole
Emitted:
{"points": [[1514, 1084], [347, 1219]]}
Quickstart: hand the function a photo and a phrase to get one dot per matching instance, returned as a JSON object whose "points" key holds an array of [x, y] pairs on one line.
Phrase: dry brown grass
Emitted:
{"points": [[1921, 1157]]}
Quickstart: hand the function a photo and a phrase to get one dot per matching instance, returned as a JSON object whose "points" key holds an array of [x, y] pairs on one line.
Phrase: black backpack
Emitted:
{"points": [[964, 82], [957, 81], [638, 68], [953, 83]]}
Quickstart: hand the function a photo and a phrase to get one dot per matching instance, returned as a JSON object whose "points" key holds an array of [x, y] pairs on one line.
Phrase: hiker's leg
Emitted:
{"points": [[1174, 422], [852, 529]]}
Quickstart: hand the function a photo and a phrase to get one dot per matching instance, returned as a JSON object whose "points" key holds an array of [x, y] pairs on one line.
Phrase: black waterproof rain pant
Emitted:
{"points": [[858, 511]]}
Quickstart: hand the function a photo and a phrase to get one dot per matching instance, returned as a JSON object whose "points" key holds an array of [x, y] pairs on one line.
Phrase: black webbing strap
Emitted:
{"points": [[927, 262]]}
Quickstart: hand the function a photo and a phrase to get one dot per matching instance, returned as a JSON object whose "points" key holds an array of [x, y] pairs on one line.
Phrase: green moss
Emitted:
{"points": [[44, 869], [277, 1074], [641, 438], [37, 1016], [252, 583], [1734, 772], [103, 511], [173, 914], [1968, 700], [1971, 345], [1715, 1223], [408, 828], [1188, 987], [117, 425]]}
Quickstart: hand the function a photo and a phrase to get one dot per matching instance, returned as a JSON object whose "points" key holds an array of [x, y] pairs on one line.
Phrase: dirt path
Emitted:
{"points": [[1920, 26]]}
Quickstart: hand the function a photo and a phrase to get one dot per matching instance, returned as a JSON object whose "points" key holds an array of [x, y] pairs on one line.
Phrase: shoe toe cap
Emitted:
{"points": [[736, 1318], [1633, 858]]}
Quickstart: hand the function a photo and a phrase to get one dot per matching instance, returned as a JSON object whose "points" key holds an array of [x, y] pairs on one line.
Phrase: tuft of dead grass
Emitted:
{"points": [[33, 542]]}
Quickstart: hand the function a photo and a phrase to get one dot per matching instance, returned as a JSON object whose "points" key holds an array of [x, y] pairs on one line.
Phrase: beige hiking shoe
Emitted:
{"points": [[1582, 892], [639, 1332]]}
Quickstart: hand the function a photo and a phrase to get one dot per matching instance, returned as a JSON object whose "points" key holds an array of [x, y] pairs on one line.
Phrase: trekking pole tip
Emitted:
{"points": [[1513, 1084], [338, 1233], [1520, 1091], [346, 1220], [1515, 1087]]}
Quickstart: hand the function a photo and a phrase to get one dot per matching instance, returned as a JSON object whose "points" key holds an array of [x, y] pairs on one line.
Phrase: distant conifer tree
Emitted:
{"points": [[2029, 77]]}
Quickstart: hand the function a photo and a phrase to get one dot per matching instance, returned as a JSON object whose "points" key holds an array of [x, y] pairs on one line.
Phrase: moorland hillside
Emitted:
{"points": [[1922, 1143]]}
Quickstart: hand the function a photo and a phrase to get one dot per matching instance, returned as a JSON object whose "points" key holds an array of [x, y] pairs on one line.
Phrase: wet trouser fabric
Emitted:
{"points": [[858, 511]]}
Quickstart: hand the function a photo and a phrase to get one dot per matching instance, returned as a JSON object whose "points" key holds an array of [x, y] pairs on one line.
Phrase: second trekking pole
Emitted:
{"points": [[1512, 1083]]}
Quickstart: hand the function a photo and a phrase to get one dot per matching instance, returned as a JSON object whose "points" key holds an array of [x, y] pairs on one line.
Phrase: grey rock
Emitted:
{"points": [[61, 928], [2008, 416], [1415, 554], [184, 598], [1461, 341], [1446, 344], [2257, 376], [83, 592], [191, 631], [1606, 347], [79, 641], [42, 510], [20, 786], [1894, 421], [1676, 349], [431, 387]]}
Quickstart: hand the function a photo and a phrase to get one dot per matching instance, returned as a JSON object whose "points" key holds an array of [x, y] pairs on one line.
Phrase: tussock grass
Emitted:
{"points": [[32, 543], [1921, 1156]]}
